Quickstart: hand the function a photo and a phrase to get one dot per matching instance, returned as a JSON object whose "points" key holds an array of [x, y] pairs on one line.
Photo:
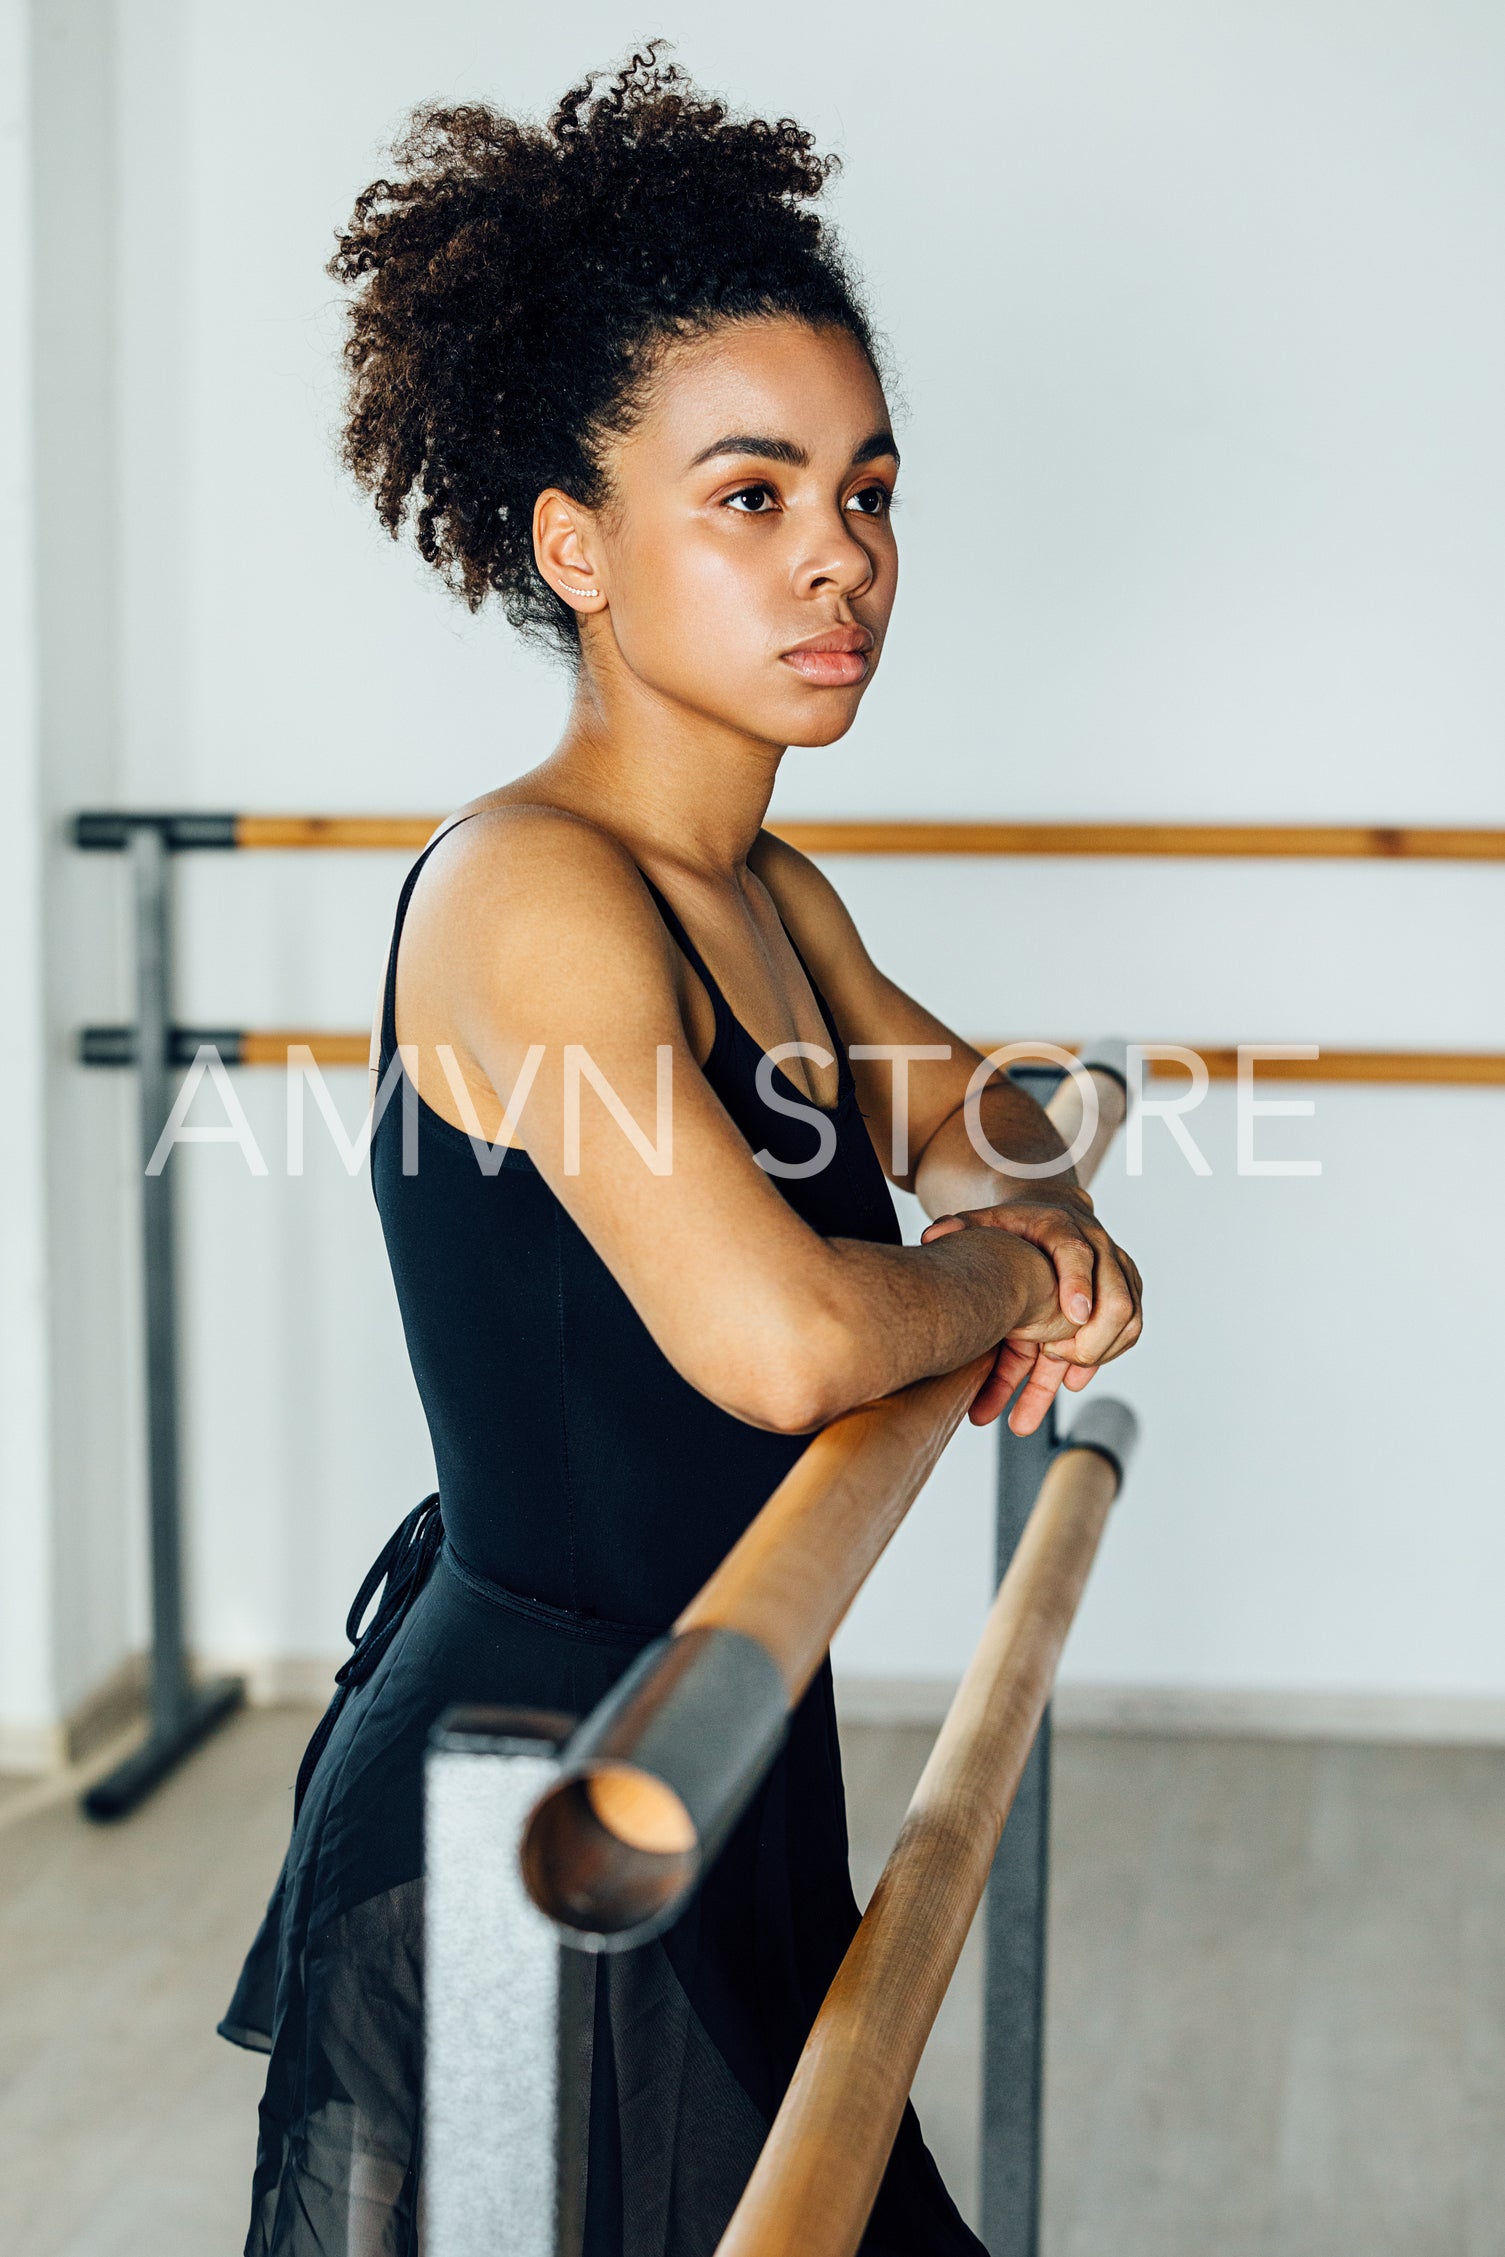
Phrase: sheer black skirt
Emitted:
{"points": [[697, 2033]]}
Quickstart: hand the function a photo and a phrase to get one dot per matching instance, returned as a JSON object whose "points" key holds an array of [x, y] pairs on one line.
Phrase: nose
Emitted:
{"points": [[837, 563]]}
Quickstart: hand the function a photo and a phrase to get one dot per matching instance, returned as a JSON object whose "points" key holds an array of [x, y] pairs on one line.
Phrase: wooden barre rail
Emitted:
{"points": [[1259, 841], [1468, 1068], [662, 1767], [815, 2181], [268, 1046]]}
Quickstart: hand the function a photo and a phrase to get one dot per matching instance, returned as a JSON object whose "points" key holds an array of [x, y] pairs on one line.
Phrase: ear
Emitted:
{"points": [[564, 547]]}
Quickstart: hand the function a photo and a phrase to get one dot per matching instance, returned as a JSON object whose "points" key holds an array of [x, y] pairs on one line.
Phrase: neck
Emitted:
{"points": [[681, 788]]}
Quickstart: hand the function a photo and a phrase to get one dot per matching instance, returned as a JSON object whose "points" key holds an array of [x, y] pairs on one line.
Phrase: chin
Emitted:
{"points": [[827, 725]]}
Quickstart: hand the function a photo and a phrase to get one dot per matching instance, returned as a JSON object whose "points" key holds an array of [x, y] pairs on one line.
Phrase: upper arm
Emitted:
{"points": [[870, 1010], [558, 966]]}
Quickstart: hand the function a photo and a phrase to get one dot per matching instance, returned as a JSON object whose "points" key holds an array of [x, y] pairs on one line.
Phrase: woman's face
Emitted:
{"points": [[746, 559]]}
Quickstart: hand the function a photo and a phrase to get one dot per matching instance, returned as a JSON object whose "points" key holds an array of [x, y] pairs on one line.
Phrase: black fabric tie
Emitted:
{"points": [[402, 1565]]}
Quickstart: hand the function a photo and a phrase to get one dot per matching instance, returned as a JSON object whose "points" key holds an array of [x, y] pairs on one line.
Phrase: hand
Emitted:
{"points": [[1099, 1293]]}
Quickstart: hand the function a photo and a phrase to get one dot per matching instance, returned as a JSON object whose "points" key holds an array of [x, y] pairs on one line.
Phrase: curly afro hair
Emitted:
{"points": [[514, 287]]}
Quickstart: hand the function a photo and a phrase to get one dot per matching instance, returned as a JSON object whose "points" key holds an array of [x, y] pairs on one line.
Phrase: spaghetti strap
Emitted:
{"points": [[720, 1006], [388, 1042], [689, 951]]}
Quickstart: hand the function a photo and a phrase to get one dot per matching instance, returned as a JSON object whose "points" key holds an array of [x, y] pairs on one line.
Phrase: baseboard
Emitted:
{"points": [[285, 1680], [861, 1699], [113, 1707], [1266, 1713], [1436, 1719], [30, 1751], [1232, 1712], [109, 1709], [118, 1704]]}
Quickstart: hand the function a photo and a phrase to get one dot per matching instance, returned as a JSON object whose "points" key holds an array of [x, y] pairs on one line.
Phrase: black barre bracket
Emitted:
{"points": [[109, 830], [117, 1046]]}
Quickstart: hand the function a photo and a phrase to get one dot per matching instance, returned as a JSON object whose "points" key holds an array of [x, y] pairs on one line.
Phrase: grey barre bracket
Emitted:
{"points": [[508, 2010], [1108, 1426], [1107, 1054]]}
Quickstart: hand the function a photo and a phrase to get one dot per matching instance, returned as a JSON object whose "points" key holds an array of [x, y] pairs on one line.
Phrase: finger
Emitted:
{"points": [[1037, 1394], [942, 1227], [1074, 1263], [1126, 1338], [1114, 1307], [1011, 1364], [1134, 1325], [1078, 1376], [1014, 1361]]}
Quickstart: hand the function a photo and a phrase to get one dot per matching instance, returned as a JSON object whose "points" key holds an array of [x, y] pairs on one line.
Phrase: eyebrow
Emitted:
{"points": [[786, 450]]}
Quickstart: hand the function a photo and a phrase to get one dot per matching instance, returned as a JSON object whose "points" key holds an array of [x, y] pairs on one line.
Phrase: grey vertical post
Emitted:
{"points": [[180, 1713], [508, 2006], [151, 877], [1014, 1931]]}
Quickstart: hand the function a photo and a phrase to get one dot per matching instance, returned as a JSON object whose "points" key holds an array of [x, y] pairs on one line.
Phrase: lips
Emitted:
{"points": [[834, 660]]}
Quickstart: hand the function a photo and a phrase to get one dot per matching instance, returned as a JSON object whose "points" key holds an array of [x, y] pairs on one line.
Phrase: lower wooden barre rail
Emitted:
{"points": [[269, 1046], [816, 2179]]}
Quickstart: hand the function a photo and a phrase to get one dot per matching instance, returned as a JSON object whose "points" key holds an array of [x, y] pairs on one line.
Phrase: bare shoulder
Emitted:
{"points": [[534, 897], [508, 846], [535, 862]]}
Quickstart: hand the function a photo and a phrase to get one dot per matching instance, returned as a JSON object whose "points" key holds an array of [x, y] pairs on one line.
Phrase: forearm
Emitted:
{"points": [[954, 1177], [892, 1314]]}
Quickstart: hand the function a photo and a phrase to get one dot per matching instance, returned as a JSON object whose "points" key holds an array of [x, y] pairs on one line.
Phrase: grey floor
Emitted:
{"points": [[1277, 2011]]}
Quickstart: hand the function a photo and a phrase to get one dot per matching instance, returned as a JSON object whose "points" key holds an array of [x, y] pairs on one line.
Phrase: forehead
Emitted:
{"points": [[779, 378]]}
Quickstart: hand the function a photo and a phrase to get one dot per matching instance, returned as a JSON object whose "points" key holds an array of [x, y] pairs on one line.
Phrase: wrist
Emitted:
{"points": [[1034, 1294]]}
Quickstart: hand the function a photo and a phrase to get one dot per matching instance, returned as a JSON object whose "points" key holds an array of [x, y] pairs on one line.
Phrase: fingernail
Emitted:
{"points": [[1080, 1308]]}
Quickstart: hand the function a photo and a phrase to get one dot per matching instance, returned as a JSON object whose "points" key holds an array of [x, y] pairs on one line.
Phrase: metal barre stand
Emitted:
{"points": [[509, 2006], [1014, 1912], [1018, 1893], [510, 1993], [181, 1713]]}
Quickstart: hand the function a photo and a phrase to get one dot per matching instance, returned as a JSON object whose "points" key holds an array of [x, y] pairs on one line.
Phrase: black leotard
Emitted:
{"points": [[587, 1491]]}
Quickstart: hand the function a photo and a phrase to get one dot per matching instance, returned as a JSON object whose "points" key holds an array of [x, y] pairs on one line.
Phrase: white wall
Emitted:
{"points": [[69, 1464], [1195, 316], [26, 1691]]}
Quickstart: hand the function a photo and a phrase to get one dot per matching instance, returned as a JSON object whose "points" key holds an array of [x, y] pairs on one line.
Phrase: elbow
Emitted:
{"points": [[793, 1403], [800, 1380]]}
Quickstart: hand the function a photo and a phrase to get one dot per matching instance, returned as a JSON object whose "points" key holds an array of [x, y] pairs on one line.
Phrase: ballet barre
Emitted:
{"points": [[181, 1710], [821, 2166], [269, 1046], [211, 831], [110, 829], [549, 1847]]}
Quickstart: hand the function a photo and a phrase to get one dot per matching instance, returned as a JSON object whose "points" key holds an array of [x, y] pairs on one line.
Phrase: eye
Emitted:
{"points": [[871, 501], [753, 501]]}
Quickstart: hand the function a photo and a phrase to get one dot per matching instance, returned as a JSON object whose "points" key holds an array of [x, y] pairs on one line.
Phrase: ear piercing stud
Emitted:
{"points": [[579, 591]]}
